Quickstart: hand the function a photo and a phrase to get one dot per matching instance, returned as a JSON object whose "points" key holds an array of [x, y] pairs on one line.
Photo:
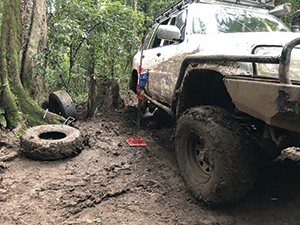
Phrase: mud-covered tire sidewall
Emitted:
{"points": [[37, 148], [230, 152], [60, 102]]}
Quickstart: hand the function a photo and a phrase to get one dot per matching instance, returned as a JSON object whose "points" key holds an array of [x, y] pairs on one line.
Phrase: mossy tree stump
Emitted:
{"points": [[104, 94]]}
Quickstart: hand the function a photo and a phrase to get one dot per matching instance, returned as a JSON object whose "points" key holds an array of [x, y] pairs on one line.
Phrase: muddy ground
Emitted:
{"points": [[117, 184]]}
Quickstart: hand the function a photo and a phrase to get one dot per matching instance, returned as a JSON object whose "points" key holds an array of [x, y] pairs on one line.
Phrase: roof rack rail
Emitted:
{"points": [[172, 9], [263, 4], [252, 3]]}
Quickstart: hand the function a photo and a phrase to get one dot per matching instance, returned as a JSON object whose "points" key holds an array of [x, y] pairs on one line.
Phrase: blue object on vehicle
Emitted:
{"points": [[144, 78]]}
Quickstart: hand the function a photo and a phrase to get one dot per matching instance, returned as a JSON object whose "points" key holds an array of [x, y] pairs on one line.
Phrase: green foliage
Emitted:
{"points": [[90, 34], [0, 15], [295, 7], [2, 87], [97, 220], [90, 37], [152, 9]]}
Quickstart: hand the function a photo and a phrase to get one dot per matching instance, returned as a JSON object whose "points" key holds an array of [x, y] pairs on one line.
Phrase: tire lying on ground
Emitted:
{"points": [[51, 142], [215, 156], [62, 104]]}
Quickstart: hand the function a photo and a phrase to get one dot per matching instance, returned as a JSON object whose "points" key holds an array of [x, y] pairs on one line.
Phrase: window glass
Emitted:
{"points": [[180, 22], [155, 42], [148, 36], [212, 20]]}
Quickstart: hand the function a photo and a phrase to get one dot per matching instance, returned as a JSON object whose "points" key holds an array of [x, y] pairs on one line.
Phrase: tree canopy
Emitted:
{"points": [[103, 33]]}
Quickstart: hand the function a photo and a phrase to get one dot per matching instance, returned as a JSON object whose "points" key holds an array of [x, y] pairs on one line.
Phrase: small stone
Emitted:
{"points": [[3, 191], [116, 154], [81, 183]]}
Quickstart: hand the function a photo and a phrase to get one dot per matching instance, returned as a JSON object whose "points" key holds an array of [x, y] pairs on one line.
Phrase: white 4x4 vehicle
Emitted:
{"points": [[229, 71]]}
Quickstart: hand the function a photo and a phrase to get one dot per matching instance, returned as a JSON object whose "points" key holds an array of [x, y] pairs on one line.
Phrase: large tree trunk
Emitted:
{"points": [[23, 34], [34, 41]]}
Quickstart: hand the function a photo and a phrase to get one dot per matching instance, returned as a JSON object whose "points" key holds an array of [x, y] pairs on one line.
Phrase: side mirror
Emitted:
{"points": [[281, 10], [295, 22], [168, 32]]}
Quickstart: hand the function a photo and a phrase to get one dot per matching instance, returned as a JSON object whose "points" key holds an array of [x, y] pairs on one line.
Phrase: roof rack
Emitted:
{"points": [[178, 6], [263, 4]]}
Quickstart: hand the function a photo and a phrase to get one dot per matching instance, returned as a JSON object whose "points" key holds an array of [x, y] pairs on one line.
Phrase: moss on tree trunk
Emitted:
{"points": [[15, 99]]}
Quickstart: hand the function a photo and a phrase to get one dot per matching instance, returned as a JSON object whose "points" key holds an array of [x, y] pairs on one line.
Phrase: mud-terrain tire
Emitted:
{"points": [[51, 142], [215, 156], [62, 104]]}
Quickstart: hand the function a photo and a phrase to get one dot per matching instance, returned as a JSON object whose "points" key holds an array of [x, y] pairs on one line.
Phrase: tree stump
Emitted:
{"points": [[104, 94]]}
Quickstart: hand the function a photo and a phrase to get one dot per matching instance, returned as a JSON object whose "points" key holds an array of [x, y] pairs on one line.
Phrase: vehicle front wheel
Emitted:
{"points": [[215, 156]]}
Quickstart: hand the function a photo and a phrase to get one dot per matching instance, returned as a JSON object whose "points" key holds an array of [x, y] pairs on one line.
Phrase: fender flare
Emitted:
{"points": [[195, 60]]}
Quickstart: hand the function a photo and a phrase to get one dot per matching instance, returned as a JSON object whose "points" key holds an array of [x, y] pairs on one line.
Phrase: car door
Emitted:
{"points": [[151, 59], [163, 62]]}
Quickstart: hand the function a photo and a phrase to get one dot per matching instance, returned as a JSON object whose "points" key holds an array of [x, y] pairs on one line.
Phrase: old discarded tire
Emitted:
{"points": [[62, 104], [214, 155], [51, 142]]}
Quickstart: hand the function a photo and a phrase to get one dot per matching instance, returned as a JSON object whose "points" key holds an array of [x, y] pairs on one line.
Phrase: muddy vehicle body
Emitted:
{"points": [[230, 74]]}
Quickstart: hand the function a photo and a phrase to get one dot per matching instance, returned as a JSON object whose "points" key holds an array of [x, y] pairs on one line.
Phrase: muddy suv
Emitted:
{"points": [[225, 70]]}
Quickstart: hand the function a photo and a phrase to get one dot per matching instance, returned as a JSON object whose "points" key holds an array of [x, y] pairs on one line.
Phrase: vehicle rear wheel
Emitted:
{"points": [[215, 156]]}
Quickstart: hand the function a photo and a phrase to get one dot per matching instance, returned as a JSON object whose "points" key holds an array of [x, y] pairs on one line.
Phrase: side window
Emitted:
{"points": [[155, 42], [199, 26], [149, 35], [171, 22], [180, 22]]}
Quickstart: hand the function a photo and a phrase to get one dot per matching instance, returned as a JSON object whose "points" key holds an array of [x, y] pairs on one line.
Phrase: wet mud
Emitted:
{"points": [[111, 182]]}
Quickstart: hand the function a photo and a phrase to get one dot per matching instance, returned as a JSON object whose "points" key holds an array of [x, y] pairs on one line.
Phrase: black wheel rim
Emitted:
{"points": [[198, 158]]}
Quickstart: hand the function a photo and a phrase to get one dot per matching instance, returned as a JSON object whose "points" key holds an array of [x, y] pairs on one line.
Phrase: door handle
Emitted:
{"points": [[158, 54]]}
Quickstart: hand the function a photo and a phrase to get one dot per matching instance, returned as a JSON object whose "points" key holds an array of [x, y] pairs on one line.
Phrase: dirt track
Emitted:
{"points": [[131, 185]]}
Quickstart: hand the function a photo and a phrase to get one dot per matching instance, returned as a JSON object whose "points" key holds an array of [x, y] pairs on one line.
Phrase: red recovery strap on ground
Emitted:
{"points": [[136, 142]]}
